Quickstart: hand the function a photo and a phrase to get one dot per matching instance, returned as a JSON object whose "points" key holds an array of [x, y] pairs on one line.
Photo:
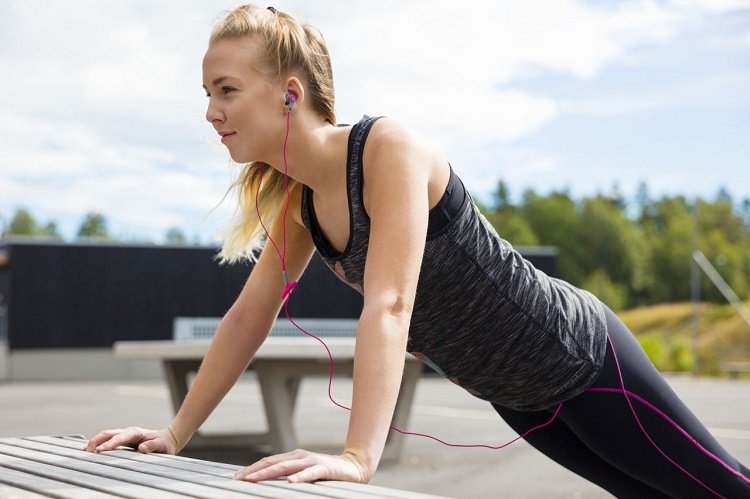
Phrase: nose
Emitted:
{"points": [[213, 113]]}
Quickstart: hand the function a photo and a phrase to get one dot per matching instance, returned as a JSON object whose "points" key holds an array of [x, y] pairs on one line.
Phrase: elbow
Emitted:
{"points": [[395, 310]]}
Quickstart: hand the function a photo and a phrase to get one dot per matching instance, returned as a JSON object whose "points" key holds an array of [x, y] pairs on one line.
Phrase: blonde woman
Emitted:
{"points": [[392, 219]]}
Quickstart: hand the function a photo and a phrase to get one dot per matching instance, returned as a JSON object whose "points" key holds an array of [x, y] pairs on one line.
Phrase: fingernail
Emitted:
{"points": [[293, 479]]}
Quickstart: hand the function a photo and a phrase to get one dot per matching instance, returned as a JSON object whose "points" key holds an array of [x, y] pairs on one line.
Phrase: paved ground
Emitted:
{"points": [[441, 409]]}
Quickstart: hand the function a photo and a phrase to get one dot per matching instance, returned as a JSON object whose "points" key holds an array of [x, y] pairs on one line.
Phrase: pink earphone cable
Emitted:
{"points": [[290, 285]]}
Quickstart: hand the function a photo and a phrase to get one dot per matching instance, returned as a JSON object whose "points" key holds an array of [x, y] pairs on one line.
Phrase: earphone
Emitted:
{"points": [[289, 100]]}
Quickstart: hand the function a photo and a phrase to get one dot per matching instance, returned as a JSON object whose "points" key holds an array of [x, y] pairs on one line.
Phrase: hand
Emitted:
{"points": [[304, 466], [162, 441]]}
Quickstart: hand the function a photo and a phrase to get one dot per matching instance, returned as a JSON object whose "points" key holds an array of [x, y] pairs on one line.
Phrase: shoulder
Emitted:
{"points": [[395, 144], [387, 134]]}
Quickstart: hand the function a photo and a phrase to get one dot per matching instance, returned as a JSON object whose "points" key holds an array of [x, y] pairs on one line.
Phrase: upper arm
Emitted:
{"points": [[396, 195]]}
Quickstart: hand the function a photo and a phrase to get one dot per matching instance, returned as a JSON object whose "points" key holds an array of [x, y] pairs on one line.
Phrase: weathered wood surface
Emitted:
{"points": [[47, 466]]}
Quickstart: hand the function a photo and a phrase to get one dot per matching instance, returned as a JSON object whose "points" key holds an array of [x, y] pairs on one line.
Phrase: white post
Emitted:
{"points": [[722, 285]]}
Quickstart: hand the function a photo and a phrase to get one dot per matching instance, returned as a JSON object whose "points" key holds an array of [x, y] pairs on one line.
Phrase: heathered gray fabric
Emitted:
{"points": [[483, 317]]}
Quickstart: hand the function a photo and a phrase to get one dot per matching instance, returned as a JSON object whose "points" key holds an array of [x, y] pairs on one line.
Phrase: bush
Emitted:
{"points": [[656, 349]]}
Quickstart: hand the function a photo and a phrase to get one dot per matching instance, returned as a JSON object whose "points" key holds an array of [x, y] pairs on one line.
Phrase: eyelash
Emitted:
{"points": [[224, 90]]}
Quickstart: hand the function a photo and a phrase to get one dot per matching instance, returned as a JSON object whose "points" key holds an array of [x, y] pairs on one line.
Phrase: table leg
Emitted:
{"points": [[279, 390], [395, 440], [176, 372]]}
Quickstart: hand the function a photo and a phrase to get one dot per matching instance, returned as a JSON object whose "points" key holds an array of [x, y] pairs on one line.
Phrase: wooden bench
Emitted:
{"points": [[38, 467], [280, 364]]}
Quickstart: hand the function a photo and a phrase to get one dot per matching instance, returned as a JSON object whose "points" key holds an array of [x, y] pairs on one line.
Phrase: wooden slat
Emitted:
{"points": [[221, 469], [164, 477], [65, 441], [10, 492], [129, 473], [75, 479], [47, 487], [348, 491], [187, 483], [180, 462]]}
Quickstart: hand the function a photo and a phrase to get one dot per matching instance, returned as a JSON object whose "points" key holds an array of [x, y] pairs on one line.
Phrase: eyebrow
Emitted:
{"points": [[217, 81]]}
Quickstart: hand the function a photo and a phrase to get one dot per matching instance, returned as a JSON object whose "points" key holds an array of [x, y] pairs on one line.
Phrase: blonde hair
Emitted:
{"points": [[285, 46]]}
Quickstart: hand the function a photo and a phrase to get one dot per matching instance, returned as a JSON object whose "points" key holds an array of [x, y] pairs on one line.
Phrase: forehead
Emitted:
{"points": [[234, 57]]}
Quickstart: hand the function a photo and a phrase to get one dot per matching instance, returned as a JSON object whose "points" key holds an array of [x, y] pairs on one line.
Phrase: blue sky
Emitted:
{"points": [[101, 106]]}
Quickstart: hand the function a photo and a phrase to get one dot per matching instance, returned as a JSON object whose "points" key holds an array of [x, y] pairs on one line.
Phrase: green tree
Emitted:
{"points": [[23, 224], [507, 220], [724, 239], [670, 236], [175, 236], [615, 246], [556, 222], [94, 226]]}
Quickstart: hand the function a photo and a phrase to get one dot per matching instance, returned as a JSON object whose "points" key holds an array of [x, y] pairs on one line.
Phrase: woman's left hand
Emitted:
{"points": [[304, 466]]}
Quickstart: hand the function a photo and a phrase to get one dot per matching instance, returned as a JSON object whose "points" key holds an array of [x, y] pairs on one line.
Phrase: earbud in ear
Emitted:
{"points": [[289, 100]]}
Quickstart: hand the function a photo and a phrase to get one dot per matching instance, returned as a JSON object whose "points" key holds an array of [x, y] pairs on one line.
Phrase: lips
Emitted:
{"points": [[226, 135]]}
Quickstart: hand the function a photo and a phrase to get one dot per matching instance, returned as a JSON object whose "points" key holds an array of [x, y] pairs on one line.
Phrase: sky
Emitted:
{"points": [[101, 105]]}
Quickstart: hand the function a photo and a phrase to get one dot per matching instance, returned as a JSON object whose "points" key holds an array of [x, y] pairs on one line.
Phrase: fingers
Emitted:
{"points": [[111, 439], [100, 438], [276, 466], [303, 466], [311, 474]]}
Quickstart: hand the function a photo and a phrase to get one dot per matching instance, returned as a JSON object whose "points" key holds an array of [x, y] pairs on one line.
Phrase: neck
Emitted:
{"points": [[315, 152]]}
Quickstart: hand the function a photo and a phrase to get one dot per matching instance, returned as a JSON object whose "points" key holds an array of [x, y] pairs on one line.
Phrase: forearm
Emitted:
{"points": [[378, 369], [227, 358]]}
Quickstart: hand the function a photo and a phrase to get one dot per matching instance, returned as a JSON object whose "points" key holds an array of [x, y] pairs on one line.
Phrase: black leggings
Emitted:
{"points": [[596, 436]]}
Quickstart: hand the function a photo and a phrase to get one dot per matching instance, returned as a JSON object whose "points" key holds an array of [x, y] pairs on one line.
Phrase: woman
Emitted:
{"points": [[390, 217]]}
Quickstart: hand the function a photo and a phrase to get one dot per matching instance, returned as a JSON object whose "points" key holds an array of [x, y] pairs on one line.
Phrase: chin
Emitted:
{"points": [[240, 158]]}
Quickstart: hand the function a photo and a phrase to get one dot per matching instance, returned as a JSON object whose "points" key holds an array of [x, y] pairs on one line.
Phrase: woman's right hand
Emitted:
{"points": [[146, 441]]}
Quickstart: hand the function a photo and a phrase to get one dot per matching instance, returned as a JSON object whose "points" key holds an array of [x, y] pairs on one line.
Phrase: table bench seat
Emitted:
{"points": [[280, 364], [56, 466]]}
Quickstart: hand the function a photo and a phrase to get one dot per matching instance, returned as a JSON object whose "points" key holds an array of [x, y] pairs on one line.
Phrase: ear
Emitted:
{"points": [[294, 86]]}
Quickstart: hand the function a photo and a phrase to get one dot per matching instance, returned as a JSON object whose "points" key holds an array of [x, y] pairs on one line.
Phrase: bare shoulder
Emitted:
{"points": [[393, 147], [392, 142], [388, 136]]}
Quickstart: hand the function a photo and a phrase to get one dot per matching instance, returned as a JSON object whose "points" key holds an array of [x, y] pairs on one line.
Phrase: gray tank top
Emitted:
{"points": [[483, 316]]}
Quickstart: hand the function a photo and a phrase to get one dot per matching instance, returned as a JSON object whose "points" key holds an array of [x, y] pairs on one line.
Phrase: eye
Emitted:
{"points": [[226, 90]]}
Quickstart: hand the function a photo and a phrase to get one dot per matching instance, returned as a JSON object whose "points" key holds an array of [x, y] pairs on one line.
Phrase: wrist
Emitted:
{"points": [[365, 466], [180, 436]]}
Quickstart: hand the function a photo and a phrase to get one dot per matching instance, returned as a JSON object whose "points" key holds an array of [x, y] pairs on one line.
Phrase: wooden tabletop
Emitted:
{"points": [[272, 348], [49, 466]]}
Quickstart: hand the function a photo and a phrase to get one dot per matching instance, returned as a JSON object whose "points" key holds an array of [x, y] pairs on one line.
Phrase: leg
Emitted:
{"points": [[561, 445], [602, 419]]}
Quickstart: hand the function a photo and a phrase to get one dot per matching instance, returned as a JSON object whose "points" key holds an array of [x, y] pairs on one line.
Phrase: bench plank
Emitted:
{"points": [[48, 466], [10, 492], [103, 465], [180, 462], [174, 479], [49, 479]]}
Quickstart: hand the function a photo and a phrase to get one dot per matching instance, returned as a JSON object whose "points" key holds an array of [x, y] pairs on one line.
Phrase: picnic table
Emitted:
{"points": [[280, 364], [56, 466]]}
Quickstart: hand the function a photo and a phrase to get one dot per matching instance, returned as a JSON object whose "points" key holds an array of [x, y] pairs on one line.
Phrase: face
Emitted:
{"points": [[244, 105]]}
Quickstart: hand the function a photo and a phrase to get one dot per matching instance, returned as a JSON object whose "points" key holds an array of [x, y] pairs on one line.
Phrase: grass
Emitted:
{"points": [[682, 337]]}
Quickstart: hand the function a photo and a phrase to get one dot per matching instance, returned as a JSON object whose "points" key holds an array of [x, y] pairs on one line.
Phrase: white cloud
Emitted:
{"points": [[101, 106]]}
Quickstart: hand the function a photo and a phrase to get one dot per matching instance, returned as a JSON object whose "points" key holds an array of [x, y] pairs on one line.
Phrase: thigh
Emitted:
{"points": [[561, 445], [666, 445]]}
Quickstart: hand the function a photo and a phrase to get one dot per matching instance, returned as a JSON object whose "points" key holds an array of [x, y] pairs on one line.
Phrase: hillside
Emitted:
{"points": [[667, 333]]}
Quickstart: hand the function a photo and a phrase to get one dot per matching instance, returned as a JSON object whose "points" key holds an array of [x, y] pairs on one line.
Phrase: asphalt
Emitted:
{"points": [[440, 409]]}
